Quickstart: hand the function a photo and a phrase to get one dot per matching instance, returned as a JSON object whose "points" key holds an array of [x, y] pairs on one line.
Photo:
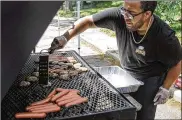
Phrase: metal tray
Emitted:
{"points": [[119, 78]]}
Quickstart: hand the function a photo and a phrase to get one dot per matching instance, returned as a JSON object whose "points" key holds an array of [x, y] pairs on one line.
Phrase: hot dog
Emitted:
{"points": [[71, 90], [64, 92], [30, 115], [64, 102], [66, 97], [52, 93], [44, 107], [41, 101], [48, 110], [78, 101], [74, 91], [59, 89], [38, 106]]}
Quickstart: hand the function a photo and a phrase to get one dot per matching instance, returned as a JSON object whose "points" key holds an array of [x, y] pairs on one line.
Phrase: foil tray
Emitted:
{"points": [[119, 78]]}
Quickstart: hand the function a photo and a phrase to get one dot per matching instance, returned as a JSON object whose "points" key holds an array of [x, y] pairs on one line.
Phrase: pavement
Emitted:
{"points": [[98, 49]]}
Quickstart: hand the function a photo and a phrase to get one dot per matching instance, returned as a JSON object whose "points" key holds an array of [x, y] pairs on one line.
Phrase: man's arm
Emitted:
{"points": [[172, 75], [80, 26], [104, 19], [163, 92]]}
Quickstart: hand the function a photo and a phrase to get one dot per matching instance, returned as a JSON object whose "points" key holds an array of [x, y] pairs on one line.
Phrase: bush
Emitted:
{"points": [[63, 13]]}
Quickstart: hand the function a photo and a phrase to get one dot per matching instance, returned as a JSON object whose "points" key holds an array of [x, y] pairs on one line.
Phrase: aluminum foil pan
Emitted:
{"points": [[119, 78]]}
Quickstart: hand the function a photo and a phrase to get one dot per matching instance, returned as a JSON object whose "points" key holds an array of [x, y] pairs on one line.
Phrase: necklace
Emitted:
{"points": [[144, 35]]}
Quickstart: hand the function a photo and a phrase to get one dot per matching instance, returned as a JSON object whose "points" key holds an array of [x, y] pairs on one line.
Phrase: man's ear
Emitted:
{"points": [[147, 14]]}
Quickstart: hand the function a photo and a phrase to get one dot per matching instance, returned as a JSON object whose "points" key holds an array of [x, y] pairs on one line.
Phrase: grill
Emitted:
{"points": [[105, 102]]}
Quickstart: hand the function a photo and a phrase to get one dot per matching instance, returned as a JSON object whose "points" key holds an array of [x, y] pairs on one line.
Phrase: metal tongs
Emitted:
{"points": [[53, 47]]}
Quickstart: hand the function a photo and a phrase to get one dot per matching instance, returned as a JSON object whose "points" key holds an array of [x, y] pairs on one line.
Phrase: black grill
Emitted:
{"points": [[105, 102]]}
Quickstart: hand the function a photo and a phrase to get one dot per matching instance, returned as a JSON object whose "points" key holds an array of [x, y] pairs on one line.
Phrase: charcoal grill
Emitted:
{"points": [[105, 102]]}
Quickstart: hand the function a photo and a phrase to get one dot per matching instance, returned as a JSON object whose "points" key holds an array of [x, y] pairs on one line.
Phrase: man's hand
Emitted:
{"points": [[162, 96], [58, 43]]}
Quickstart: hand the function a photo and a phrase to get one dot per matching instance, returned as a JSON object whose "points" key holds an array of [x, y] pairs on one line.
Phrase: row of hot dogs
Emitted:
{"points": [[58, 98]]}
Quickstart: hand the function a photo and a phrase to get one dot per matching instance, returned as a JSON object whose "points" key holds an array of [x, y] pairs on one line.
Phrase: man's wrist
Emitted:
{"points": [[166, 86], [163, 88]]}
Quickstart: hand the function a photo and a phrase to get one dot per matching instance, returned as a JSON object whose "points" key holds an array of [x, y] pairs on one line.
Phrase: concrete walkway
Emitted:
{"points": [[93, 45]]}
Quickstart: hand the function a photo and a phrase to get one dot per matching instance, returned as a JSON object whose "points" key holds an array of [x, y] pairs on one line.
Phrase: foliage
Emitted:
{"points": [[108, 32], [67, 14], [170, 12]]}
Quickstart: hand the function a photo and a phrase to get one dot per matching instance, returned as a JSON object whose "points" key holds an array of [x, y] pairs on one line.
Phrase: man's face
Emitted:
{"points": [[134, 10]]}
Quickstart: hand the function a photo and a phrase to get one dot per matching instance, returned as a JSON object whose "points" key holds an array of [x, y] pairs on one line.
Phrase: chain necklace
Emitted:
{"points": [[144, 35]]}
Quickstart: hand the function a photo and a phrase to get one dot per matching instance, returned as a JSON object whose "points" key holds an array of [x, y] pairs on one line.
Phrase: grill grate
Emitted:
{"points": [[102, 97]]}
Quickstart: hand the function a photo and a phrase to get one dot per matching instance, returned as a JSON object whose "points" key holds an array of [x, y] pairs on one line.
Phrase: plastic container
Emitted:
{"points": [[119, 78]]}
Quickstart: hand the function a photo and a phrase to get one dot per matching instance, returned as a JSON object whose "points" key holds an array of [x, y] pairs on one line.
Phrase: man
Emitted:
{"points": [[148, 49]]}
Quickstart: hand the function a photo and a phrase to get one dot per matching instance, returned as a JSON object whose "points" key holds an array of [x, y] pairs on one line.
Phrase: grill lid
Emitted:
{"points": [[23, 23]]}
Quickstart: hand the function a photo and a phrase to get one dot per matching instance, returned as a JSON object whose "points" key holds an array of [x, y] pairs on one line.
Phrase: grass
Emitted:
{"points": [[66, 14], [112, 60], [108, 32]]}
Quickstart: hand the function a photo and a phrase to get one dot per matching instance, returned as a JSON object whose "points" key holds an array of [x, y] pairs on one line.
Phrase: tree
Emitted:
{"points": [[170, 11]]}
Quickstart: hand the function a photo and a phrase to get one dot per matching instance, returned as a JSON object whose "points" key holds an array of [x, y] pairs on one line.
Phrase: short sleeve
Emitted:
{"points": [[169, 51], [107, 18]]}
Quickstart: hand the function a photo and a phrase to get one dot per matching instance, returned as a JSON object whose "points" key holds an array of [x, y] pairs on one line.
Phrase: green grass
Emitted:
{"points": [[66, 14], [108, 32]]}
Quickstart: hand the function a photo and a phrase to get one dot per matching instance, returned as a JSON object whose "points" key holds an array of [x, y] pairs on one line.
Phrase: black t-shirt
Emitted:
{"points": [[159, 51]]}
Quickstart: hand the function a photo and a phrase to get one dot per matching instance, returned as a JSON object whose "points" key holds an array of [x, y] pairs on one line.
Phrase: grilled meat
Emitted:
{"points": [[32, 79], [24, 83], [77, 65], [53, 75], [64, 77], [83, 69], [36, 74]]}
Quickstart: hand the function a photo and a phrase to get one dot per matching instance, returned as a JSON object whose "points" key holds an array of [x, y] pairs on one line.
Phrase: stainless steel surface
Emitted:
{"points": [[119, 78]]}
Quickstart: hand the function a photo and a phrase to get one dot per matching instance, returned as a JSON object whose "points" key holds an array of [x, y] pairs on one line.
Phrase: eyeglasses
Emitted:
{"points": [[127, 13]]}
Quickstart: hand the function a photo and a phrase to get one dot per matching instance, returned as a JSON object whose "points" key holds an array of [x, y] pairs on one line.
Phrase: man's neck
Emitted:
{"points": [[145, 26]]}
